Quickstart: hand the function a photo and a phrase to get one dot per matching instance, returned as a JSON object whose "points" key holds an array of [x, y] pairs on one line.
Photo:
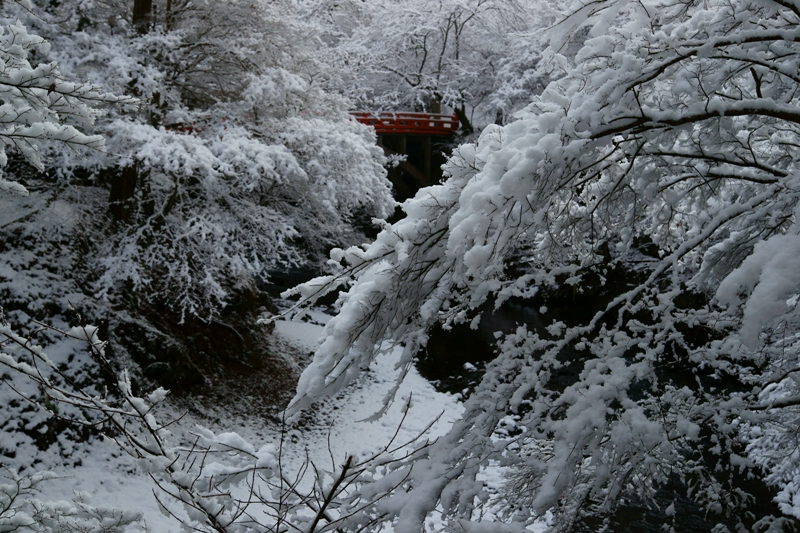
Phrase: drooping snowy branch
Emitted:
{"points": [[676, 129], [39, 106]]}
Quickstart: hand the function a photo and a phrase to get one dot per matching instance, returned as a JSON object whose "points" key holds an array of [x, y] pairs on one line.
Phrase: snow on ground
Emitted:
{"points": [[345, 416], [113, 479]]}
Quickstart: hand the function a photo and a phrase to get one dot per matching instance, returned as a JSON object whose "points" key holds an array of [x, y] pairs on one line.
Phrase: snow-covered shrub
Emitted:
{"points": [[20, 510]]}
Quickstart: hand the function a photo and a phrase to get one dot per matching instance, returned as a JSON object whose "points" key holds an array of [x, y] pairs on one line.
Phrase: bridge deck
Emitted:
{"points": [[389, 123]]}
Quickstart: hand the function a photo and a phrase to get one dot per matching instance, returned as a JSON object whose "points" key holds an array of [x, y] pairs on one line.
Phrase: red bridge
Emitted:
{"points": [[390, 123], [423, 138]]}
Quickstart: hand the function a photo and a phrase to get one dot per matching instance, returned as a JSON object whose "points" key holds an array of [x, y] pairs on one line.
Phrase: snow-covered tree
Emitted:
{"points": [[41, 110], [241, 159], [666, 150], [39, 106], [428, 54], [221, 189], [21, 510]]}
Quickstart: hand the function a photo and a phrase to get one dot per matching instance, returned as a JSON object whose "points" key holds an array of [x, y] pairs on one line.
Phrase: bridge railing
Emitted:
{"points": [[388, 123]]}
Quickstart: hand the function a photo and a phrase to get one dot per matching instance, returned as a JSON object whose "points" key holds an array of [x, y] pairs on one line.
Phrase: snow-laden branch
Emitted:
{"points": [[661, 134], [39, 106]]}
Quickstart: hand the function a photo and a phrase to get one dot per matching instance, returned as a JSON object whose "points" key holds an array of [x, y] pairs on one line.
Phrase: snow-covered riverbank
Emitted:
{"points": [[332, 430]]}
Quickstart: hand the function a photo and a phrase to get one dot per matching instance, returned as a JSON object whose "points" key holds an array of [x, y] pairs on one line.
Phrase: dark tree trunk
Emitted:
{"points": [[123, 185], [169, 16], [466, 125], [142, 14], [498, 117]]}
